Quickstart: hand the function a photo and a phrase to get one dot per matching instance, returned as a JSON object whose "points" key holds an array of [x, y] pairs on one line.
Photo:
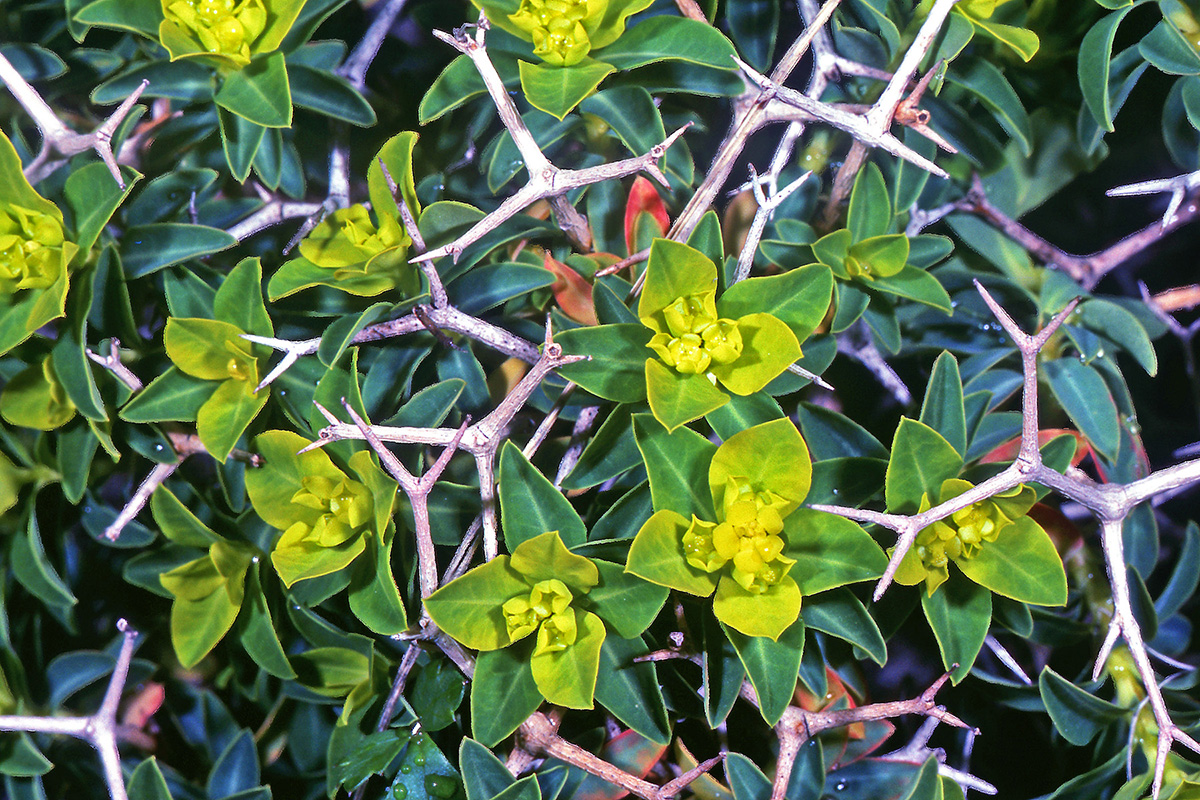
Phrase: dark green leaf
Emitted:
{"points": [[328, 94], [839, 613], [503, 694], [1083, 394], [1077, 714], [677, 464], [959, 613], [630, 690], [149, 248], [530, 505], [259, 92], [942, 408], [771, 666]]}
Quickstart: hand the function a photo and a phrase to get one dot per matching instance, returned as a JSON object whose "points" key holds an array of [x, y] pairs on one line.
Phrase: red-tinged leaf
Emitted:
{"points": [[631, 752], [1008, 451], [643, 197], [572, 291], [143, 705]]}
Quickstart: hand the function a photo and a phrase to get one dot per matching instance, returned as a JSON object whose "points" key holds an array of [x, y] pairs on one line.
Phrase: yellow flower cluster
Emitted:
{"points": [[695, 337], [546, 609]]}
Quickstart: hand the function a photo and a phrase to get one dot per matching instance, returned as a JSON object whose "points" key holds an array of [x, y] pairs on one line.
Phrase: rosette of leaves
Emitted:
{"points": [[247, 57], [699, 348], [357, 251], [992, 542], [535, 599], [743, 539], [211, 591], [328, 518], [39, 248], [872, 261], [560, 51], [989, 547], [214, 380]]}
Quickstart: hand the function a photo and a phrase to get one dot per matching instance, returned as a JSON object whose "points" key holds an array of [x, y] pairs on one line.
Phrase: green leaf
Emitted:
{"points": [[799, 298], [239, 300], [257, 631], [921, 460], [545, 557], [741, 413], [674, 270], [670, 38], [226, 414], [1021, 41], [468, 608], [771, 457], [147, 782], [632, 115], [1121, 326], [656, 555], [1166, 49], [914, 284], [988, 83], [72, 367], [339, 334], [870, 211], [677, 399], [772, 666], [173, 396], [1083, 394], [1077, 714], [830, 551], [942, 410], [240, 139], [328, 94], [92, 196], [33, 570], [259, 92], [374, 597], [959, 613], [197, 626], [139, 16], [626, 603], [177, 522], [557, 90], [488, 285], [746, 780], [568, 677], [484, 775], [770, 347], [839, 613], [618, 353], [677, 464], [630, 690], [766, 614], [753, 25], [503, 694], [1021, 564], [396, 154], [1095, 55], [149, 248]]}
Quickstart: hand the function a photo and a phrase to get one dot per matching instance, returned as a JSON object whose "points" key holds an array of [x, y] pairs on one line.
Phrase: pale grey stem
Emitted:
{"points": [[766, 210], [100, 729], [142, 496], [583, 424], [448, 318], [112, 363], [359, 61], [879, 117], [273, 213], [1180, 187], [748, 118], [57, 137], [1006, 658], [863, 349]]}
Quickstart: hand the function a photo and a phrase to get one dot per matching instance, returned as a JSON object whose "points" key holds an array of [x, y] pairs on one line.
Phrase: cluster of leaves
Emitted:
{"points": [[278, 575]]}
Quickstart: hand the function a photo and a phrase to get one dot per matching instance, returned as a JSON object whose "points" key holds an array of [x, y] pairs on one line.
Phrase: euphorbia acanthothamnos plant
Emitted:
{"points": [[748, 550], [328, 518], [356, 250], [539, 592], [700, 348], [212, 357], [225, 33]]}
